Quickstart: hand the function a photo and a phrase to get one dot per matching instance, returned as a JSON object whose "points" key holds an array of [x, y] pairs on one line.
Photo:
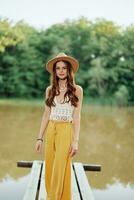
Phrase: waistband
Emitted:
{"points": [[59, 121]]}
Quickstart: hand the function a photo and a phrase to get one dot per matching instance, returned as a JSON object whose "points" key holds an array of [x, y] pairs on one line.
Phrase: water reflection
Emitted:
{"points": [[106, 138], [9, 186], [115, 191]]}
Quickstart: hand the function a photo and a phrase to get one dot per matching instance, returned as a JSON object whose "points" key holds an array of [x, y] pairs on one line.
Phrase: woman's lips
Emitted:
{"points": [[61, 74]]}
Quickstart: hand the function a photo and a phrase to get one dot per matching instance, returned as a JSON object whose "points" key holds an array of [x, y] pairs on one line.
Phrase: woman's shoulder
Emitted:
{"points": [[48, 87], [79, 88], [79, 91]]}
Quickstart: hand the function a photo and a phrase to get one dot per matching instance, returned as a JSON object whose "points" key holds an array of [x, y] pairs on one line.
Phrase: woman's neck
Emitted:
{"points": [[62, 82]]}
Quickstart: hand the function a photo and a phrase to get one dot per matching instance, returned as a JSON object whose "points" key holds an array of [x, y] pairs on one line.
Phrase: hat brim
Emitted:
{"points": [[73, 62]]}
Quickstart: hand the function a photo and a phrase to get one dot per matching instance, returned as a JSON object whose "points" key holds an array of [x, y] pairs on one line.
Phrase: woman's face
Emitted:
{"points": [[61, 69]]}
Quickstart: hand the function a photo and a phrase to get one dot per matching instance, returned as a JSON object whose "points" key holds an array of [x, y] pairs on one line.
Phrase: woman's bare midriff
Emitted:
{"points": [[60, 121]]}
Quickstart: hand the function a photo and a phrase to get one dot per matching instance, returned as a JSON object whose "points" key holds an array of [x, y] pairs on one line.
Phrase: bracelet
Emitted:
{"points": [[40, 139]]}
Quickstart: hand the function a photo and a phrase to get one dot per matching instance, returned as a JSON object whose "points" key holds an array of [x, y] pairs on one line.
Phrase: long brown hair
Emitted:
{"points": [[55, 86]]}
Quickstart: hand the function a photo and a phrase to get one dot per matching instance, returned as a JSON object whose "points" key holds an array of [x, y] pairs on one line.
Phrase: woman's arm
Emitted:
{"points": [[77, 114], [45, 117]]}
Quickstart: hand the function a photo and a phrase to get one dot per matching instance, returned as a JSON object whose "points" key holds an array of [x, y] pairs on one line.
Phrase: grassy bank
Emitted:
{"points": [[40, 102]]}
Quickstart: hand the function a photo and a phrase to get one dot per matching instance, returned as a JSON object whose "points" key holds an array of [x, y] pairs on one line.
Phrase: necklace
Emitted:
{"points": [[62, 88]]}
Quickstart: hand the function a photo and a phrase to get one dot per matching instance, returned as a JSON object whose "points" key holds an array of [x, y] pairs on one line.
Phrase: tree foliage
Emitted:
{"points": [[105, 52]]}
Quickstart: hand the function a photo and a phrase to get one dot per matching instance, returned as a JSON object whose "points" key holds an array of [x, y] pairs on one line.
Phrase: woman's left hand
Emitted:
{"points": [[73, 148]]}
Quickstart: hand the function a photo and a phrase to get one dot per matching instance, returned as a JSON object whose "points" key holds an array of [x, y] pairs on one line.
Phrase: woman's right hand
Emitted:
{"points": [[38, 146]]}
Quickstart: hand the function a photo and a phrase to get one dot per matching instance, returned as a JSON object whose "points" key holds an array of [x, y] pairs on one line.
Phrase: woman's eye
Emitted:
{"points": [[63, 68]]}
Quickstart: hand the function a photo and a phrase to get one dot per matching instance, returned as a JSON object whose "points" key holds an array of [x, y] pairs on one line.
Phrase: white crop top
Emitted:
{"points": [[62, 111]]}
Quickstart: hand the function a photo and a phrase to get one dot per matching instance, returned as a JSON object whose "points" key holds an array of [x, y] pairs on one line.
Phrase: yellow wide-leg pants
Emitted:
{"points": [[58, 138]]}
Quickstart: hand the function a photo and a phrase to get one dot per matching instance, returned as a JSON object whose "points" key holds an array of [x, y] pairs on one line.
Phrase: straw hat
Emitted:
{"points": [[62, 56]]}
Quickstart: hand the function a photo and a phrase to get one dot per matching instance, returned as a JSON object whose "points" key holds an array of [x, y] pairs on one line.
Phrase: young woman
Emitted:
{"points": [[61, 124]]}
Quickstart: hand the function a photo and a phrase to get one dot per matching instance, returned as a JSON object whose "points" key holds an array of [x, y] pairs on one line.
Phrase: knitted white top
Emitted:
{"points": [[62, 111]]}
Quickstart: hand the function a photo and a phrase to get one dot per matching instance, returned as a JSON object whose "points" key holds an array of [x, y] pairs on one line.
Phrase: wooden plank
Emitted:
{"points": [[75, 191], [92, 167], [84, 187], [32, 186], [24, 163], [87, 167], [42, 190]]}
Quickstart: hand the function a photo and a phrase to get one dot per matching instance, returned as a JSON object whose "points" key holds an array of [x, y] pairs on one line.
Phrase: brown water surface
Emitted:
{"points": [[106, 138]]}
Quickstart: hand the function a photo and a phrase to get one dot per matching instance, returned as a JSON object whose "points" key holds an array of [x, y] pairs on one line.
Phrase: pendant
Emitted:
{"points": [[62, 89]]}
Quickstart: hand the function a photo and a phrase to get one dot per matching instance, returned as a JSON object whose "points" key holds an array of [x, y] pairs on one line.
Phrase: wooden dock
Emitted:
{"points": [[81, 189]]}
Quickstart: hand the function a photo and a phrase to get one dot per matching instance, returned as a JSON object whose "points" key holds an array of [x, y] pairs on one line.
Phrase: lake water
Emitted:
{"points": [[106, 138]]}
